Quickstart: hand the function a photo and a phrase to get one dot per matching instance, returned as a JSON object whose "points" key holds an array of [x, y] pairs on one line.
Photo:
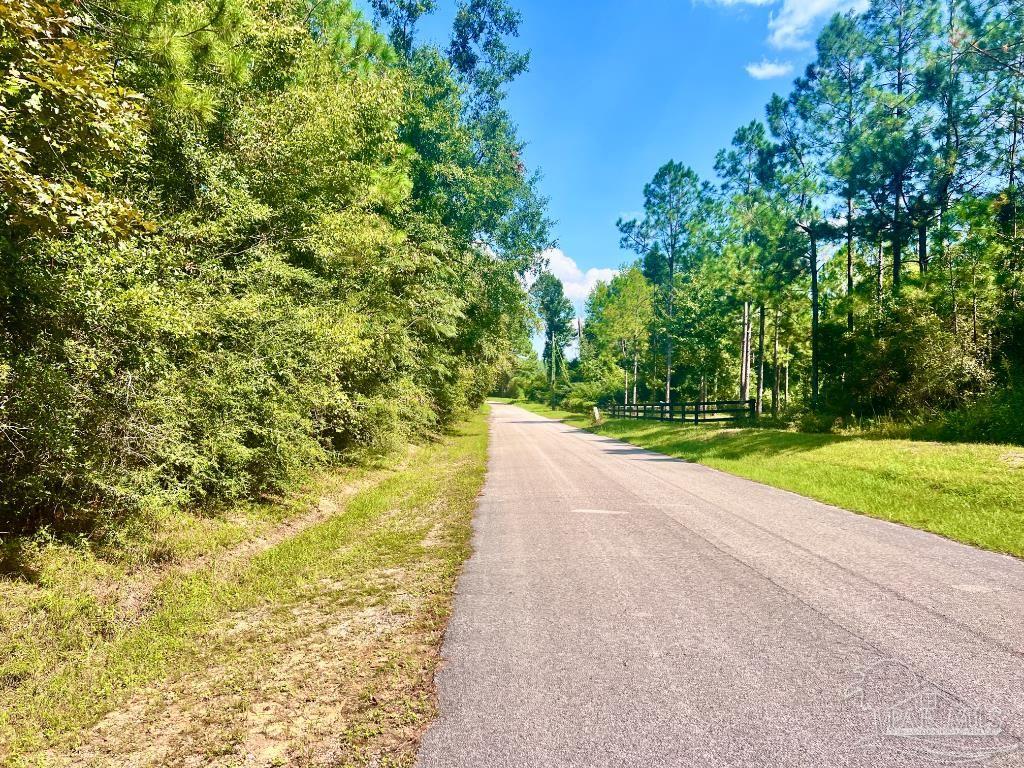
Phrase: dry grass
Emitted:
{"points": [[312, 642]]}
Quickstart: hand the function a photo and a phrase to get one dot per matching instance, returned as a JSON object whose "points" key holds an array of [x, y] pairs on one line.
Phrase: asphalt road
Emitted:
{"points": [[626, 609]]}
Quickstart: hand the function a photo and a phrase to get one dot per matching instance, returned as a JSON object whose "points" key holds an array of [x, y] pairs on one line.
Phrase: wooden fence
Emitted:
{"points": [[694, 413]]}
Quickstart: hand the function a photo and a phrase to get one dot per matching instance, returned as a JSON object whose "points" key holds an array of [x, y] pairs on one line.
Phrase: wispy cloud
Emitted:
{"points": [[792, 26], [793, 22], [767, 70]]}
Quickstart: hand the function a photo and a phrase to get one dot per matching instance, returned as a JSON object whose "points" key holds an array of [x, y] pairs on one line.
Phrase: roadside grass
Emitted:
{"points": [[576, 419], [973, 493], [83, 684]]}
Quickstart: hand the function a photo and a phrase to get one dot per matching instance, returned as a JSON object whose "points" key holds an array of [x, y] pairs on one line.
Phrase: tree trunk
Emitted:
{"points": [[953, 299], [881, 269], [625, 371], [668, 335], [668, 374], [974, 304], [849, 262], [785, 396], [775, 365], [551, 351], [760, 361], [922, 247], [1014, 139], [745, 353], [897, 221], [897, 259], [814, 318], [636, 369]]}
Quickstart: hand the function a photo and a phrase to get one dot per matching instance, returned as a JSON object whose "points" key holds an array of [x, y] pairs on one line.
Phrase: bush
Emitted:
{"points": [[994, 418], [223, 268], [584, 395], [904, 361]]}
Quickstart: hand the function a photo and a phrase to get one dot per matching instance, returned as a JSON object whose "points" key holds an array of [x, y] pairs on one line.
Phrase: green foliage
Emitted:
{"points": [[69, 133], [863, 255], [239, 241], [993, 418], [556, 316]]}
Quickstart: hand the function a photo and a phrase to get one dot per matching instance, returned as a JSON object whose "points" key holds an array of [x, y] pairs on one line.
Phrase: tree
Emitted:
{"points": [[673, 201], [800, 185], [69, 131], [556, 315], [747, 171], [240, 240], [832, 99], [479, 53], [619, 316], [895, 150], [402, 17], [905, 131]]}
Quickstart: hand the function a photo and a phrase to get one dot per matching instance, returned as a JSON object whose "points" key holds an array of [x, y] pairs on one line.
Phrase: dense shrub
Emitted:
{"points": [[228, 250], [905, 360], [994, 418]]}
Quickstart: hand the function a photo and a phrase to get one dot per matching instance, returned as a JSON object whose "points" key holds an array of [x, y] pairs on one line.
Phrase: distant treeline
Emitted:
{"points": [[861, 252], [241, 238]]}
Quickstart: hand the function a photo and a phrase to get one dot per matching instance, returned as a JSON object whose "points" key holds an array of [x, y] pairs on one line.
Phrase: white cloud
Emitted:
{"points": [[766, 70], [794, 21], [578, 284], [792, 25]]}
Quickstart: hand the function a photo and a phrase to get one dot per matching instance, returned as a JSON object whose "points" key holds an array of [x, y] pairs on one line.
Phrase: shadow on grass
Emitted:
{"points": [[734, 443], [646, 453], [16, 561]]}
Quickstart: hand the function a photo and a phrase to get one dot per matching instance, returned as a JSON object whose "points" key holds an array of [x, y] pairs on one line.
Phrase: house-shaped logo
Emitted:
{"points": [[906, 714]]}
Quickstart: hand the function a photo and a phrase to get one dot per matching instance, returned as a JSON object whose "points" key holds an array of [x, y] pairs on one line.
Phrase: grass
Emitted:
{"points": [[349, 609], [973, 493], [576, 419]]}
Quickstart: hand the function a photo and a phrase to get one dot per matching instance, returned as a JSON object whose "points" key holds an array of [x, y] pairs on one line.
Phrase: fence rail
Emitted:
{"points": [[699, 412]]}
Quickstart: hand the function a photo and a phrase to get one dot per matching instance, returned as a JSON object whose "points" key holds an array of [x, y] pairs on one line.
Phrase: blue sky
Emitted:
{"points": [[615, 89]]}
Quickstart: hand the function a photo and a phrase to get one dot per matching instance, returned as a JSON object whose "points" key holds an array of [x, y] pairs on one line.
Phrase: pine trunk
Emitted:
{"points": [[922, 247], [745, 353], [881, 270], [760, 361], [849, 262], [775, 365], [636, 369], [814, 318]]}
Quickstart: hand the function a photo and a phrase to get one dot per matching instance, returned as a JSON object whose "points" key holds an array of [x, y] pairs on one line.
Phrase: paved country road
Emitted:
{"points": [[627, 609]]}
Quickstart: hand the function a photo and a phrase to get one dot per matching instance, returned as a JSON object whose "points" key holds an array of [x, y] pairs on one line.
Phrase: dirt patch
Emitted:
{"points": [[1015, 459], [316, 683], [321, 654]]}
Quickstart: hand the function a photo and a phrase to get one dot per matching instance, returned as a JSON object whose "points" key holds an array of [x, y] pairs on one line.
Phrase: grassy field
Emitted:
{"points": [[968, 492], [304, 632]]}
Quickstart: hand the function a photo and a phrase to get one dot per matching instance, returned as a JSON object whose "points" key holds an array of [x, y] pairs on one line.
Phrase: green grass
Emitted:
{"points": [[398, 544], [569, 417], [969, 492]]}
